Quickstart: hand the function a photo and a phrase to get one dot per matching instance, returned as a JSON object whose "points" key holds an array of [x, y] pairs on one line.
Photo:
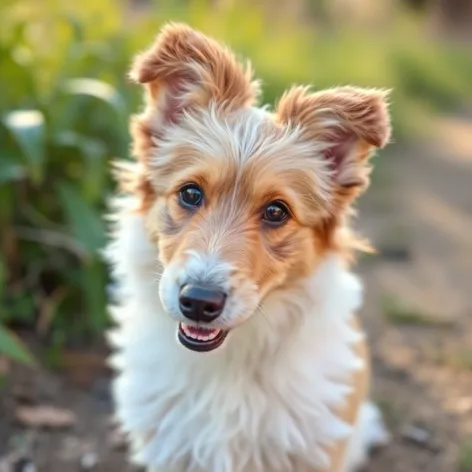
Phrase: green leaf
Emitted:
{"points": [[84, 221], [28, 129], [10, 170], [12, 346], [98, 90], [93, 153]]}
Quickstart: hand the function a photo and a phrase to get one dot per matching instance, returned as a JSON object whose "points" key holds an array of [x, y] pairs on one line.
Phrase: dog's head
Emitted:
{"points": [[239, 200]]}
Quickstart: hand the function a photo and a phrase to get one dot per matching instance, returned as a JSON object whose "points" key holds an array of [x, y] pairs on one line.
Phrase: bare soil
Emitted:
{"points": [[418, 316]]}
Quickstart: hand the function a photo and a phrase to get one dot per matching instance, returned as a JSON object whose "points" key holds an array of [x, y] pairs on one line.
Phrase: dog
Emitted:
{"points": [[236, 342]]}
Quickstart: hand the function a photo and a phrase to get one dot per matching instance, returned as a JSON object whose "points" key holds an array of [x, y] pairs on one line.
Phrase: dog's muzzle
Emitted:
{"points": [[201, 305]]}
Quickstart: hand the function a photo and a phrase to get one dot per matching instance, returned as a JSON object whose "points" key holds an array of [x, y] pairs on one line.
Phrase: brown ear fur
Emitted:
{"points": [[348, 122], [185, 70], [208, 69]]}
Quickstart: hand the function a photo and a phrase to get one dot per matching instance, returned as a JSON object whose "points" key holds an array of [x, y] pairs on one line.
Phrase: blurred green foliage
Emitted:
{"points": [[64, 108]]}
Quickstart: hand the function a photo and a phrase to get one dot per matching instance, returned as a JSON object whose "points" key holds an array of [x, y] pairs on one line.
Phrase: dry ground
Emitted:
{"points": [[418, 315]]}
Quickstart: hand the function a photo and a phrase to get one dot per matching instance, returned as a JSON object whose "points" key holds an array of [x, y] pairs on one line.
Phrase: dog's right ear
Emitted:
{"points": [[182, 71], [347, 124]]}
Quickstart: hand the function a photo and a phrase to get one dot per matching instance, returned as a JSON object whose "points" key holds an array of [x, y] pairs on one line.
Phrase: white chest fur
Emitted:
{"points": [[263, 402]]}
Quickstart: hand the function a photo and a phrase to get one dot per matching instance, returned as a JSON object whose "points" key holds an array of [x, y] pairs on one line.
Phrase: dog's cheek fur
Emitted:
{"points": [[285, 255], [165, 222]]}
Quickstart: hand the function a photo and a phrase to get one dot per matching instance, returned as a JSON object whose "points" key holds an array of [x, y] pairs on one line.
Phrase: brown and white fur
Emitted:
{"points": [[288, 389]]}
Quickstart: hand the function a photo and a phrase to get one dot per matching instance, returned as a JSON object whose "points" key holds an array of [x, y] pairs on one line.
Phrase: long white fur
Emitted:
{"points": [[263, 402]]}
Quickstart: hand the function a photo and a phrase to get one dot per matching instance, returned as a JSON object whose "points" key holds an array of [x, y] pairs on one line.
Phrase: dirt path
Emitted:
{"points": [[418, 310], [418, 315]]}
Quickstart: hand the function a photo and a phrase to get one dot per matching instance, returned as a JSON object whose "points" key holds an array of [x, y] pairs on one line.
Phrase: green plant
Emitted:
{"points": [[10, 345], [57, 134]]}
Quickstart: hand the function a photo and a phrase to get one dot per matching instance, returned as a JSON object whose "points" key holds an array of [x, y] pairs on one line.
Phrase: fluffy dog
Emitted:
{"points": [[236, 343]]}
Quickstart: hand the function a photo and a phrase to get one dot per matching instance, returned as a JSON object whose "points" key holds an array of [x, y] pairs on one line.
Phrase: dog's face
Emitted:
{"points": [[240, 201]]}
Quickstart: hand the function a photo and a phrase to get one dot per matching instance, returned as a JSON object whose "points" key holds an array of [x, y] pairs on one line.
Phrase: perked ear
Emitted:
{"points": [[346, 123], [185, 70]]}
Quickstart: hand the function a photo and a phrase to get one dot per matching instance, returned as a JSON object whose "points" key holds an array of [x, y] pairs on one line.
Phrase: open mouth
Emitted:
{"points": [[200, 339]]}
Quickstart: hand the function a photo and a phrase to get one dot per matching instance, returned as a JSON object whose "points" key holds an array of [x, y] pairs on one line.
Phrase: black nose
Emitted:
{"points": [[201, 304]]}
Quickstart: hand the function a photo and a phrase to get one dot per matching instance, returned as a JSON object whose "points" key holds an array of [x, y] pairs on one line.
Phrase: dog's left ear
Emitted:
{"points": [[346, 124], [184, 71]]}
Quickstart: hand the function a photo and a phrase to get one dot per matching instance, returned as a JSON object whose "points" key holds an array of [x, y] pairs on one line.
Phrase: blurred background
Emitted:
{"points": [[65, 103]]}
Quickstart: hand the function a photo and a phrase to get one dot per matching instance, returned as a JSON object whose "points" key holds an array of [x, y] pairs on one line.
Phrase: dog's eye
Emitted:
{"points": [[275, 213], [191, 195]]}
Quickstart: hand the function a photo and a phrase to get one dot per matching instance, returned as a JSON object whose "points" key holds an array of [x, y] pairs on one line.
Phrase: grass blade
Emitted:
{"points": [[14, 348]]}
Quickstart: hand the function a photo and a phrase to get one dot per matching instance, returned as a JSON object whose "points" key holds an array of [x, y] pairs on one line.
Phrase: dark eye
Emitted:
{"points": [[275, 213], [191, 195]]}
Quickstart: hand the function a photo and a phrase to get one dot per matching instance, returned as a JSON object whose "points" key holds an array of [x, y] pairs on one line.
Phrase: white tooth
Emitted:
{"points": [[188, 332], [214, 334], [200, 334]]}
